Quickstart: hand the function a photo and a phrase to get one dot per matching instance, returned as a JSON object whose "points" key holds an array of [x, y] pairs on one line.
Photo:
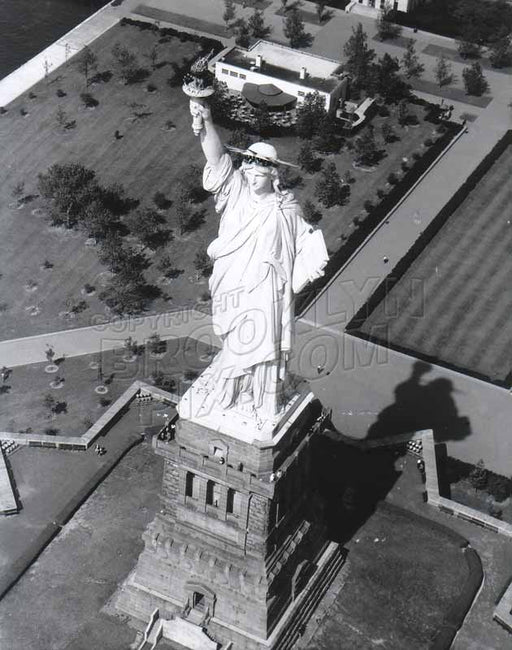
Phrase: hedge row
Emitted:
{"points": [[206, 43]]}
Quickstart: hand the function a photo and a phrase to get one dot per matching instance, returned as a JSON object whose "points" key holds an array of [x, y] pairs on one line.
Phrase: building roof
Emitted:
{"points": [[285, 63]]}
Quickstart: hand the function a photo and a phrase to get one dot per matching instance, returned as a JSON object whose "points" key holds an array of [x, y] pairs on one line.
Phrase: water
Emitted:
{"points": [[28, 26]]}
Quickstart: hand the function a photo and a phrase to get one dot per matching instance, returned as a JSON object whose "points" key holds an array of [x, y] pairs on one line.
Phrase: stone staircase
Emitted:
{"points": [[314, 593]]}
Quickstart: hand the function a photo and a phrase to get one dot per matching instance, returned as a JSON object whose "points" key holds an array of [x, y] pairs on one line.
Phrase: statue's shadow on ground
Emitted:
{"points": [[352, 480]]}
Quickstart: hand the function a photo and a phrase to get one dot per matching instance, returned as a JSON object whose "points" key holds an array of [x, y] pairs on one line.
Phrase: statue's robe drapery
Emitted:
{"points": [[258, 244]]}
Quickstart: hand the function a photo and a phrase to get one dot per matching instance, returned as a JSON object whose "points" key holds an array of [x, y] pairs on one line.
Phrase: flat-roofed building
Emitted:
{"points": [[277, 70], [377, 5]]}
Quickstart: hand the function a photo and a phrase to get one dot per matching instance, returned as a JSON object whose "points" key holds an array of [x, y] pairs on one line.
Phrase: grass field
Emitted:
{"points": [[145, 160], [24, 391], [403, 577], [461, 314]]}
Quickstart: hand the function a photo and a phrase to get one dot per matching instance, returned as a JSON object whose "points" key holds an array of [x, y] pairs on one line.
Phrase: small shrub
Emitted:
{"points": [[89, 288], [51, 431], [392, 178], [495, 511], [161, 380], [381, 193], [428, 142], [368, 205], [206, 296], [60, 93], [161, 201], [87, 422], [151, 88], [500, 487], [156, 345], [47, 264], [3, 110], [190, 375], [404, 165], [416, 155], [478, 476], [104, 401], [32, 95], [383, 110], [88, 100]]}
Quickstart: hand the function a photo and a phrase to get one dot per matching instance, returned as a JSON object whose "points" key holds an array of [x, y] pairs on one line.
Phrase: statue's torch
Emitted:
{"points": [[198, 85]]}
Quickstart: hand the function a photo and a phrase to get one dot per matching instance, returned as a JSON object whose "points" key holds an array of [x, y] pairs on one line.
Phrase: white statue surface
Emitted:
{"points": [[264, 253]]}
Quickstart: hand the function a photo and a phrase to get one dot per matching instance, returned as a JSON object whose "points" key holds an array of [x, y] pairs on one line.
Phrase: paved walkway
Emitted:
{"points": [[108, 336]]}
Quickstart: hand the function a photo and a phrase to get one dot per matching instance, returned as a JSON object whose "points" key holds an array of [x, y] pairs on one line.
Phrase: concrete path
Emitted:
{"points": [[108, 336]]}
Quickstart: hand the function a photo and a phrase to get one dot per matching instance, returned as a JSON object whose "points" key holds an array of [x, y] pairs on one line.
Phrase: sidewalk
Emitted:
{"points": [[108, 336]]}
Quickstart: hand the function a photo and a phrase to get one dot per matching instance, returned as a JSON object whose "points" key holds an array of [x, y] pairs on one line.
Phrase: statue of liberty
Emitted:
{"points": [[264, 253]]}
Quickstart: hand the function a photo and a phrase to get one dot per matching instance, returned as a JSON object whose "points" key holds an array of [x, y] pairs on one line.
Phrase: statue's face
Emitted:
{"points": [[259, 179]]}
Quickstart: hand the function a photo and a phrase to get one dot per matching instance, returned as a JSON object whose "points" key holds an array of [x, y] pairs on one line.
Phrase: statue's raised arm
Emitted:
{"points": [[198, 85]]}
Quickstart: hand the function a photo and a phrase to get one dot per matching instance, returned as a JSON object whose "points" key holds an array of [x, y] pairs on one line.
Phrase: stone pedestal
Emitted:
{"points": [[235, 549]]}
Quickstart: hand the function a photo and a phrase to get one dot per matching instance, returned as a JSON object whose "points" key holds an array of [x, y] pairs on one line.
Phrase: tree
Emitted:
{"points": [[329, 189], [474, 80], [203, 263], [50, 403], [309, 115], [468, 49], [478, 476], [413, 68], [184, 212], [320, 8], [242, 33], [500, 54], [122, 260], [86, 62], [256, 25], [229, 12], [126, 63], [326, 139], [386, 27], [306, 158], [294, 28], [61, 117], [261, 121], [241, 140], [18, 192], [152, 56], [403, 113], [146, 224], [358, 57], [388, 132], [97, 220], [124, 297], [366, 148], [68, 188], [156, 345], [443, 71], [388, 83], [311, 213]]}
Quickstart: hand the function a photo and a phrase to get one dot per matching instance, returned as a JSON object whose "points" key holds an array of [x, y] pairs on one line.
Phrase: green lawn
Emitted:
{"points": [[22, 404], [145, 160], [403, 577], [462, 314]]}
